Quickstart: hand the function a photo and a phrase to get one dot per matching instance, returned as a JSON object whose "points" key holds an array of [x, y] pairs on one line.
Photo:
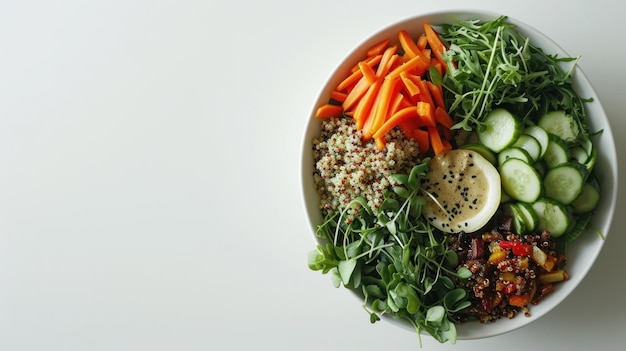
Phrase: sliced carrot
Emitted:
{"points": [[425, 113], [442, 117], [424, 94], [436, 92], [380, 142], [422, 42], [408, 126], [422, 138], [411, 88], [399, 102], [365, 105], [328, 111], [357, 74], [419, 64], [378, 48], [388, 89], [394, 120], [387, 61], [367, 71], [408, 45], [436, 142], [338, 96], [356, 93], [435, 43]]}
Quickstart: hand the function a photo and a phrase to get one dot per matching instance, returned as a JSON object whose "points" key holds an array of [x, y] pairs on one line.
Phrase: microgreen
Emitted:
{"points": [[400, 265], [490, 64]]}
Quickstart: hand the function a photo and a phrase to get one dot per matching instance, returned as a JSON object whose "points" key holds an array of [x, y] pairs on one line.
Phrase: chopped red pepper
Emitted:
{"points": [[519, 249]]}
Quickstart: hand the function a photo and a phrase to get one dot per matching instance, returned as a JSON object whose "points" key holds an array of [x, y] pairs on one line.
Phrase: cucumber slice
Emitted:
{"points": [[529, 215], [561, 124], [591, 161], [520, 180], [499, 130], [514, 152], [552, 216], [530, 144], [482, 150], [587, 200], [519, 224], [578, 154], [556, 153], [540, 135], [581, 223], [564, 183]]}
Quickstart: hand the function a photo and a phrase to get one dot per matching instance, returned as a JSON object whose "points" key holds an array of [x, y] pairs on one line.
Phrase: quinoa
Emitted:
{"points": [[346, 167]]}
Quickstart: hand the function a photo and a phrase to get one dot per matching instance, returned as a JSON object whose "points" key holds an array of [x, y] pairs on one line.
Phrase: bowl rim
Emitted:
{"points": [[608, 158]]}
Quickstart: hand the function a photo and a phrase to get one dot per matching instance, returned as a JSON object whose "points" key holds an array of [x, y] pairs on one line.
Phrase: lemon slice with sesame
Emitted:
{"points": [[463, 191]]}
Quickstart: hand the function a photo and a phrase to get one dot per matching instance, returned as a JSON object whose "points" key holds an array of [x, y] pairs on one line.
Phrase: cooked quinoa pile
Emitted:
{"points": [[346, 167]]}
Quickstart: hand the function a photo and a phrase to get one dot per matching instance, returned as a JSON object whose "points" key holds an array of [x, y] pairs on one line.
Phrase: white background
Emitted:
{"points": [[149, 175]]}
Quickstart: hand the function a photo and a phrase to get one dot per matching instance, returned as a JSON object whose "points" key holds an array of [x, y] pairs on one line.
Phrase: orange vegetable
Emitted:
{"points": [[425, 112], [436, 91], [410, 86], [378, 48], [328, 111], [422, 138], [338, 96], [435, 43], [357, 74], [436, 143], [442, 117], [408, 45], [422, 41], [387, 91], [419, 63], [367, 71], [395, 120], [519, 300]]}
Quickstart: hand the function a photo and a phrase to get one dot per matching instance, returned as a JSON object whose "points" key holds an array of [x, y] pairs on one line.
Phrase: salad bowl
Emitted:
{"points": [[581, 253]]}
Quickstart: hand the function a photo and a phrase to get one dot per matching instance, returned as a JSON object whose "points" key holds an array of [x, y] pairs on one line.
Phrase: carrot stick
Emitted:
{"points": [[436, 91], [425, 113], [411, 88], [399, 102], [364, 108], [442, 117], [423, 140], [435, 140], [387, 91], [356, 93], [422, 42], [387, 61], [424, 94], [408, 45], [328, 111], [367, 71], [378, 48], [357, 74], [419, 63], [394, 120], [338, 96], [435, 43]]}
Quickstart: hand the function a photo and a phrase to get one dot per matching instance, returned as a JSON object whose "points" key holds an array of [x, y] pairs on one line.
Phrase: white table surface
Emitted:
{"points": [[149, 191]]}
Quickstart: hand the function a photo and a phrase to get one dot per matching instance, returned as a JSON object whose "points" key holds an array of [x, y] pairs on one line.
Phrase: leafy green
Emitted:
{"points": [[491, 64], [399, 264]]}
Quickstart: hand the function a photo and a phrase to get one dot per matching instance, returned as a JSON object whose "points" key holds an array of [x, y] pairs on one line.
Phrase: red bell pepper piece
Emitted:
{"points": [[519, 249]]}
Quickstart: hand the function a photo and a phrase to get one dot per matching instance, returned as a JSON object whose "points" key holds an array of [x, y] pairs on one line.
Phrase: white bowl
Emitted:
{"points": [[582, 253]]}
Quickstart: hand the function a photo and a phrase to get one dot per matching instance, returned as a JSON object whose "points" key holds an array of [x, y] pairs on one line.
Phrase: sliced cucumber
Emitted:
{"points": [[552, 215], [519, 224], [499, 130], [483, 151], [581, 223], [556, 153], [530, 145], [564, 183], [514, 152], [540, 135], [529, 215], [520, 180], [587, 200], [561, 124]]}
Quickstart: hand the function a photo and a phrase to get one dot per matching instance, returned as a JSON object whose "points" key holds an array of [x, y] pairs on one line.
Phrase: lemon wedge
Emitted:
{"points": [[463, 191]]}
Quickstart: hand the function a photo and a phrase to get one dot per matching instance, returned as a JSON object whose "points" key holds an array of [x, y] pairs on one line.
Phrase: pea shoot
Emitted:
{"points": [[402, 266]]}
